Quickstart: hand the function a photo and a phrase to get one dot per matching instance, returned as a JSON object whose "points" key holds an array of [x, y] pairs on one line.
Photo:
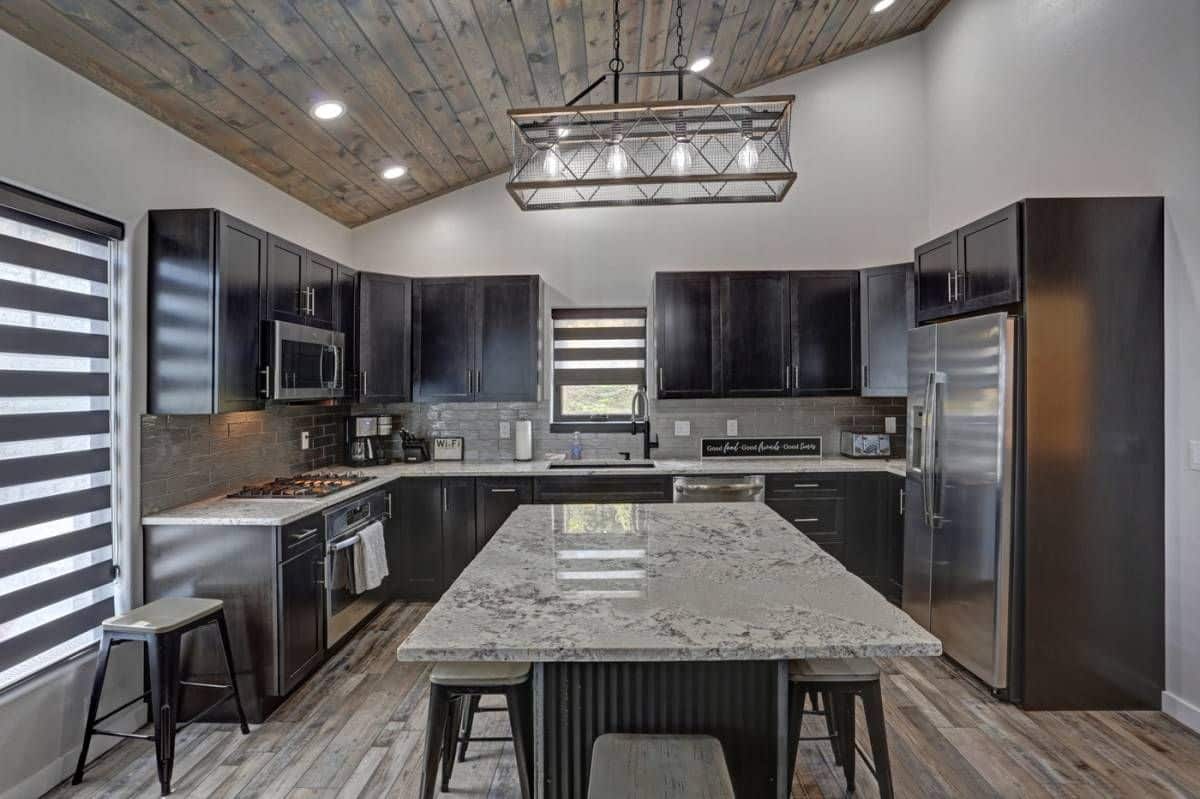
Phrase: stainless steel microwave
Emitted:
{"points": [[307, 363]]}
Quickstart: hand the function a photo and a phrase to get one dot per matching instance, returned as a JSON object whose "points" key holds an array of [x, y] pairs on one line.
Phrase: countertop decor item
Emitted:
{"points": [[523, 440], [723, 149], [448, 448], [761, 447]]}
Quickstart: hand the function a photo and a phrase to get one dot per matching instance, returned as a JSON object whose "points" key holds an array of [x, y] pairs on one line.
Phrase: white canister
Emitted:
{"points": [[523, 440]]}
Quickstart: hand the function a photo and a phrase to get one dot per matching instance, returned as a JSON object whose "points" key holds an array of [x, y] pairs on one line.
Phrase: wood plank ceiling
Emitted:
{"points": [[426, 83]]}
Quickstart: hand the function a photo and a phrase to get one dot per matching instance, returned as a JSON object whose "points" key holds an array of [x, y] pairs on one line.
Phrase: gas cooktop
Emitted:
{"points": [[304, 485]]}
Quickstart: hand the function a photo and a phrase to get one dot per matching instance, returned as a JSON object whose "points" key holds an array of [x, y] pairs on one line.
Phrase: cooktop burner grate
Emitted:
{"points": [[305, 485]]}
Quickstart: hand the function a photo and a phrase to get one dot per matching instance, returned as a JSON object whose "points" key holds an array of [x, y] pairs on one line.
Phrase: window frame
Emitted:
{"points": [[594, 423]]}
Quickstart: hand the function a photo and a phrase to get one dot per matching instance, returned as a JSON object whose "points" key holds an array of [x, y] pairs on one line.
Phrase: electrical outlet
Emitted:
{"points": [[731, 427], [683, 428], [889, 424], [506, 430], [305, 441], [1194, 455]]}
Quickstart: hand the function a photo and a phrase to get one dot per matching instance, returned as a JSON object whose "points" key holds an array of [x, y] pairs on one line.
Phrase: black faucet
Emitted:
{"points": [[639, 420]]}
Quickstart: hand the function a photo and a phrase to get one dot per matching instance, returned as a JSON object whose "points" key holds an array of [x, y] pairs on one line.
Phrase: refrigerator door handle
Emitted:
{"points": [[929, 448]]}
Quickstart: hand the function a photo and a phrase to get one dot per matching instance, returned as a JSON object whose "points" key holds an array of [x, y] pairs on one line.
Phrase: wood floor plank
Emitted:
{"points": [[355, 730]]}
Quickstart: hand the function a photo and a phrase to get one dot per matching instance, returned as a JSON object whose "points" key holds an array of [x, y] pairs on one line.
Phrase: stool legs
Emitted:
{"points": [[843, 704], [435, 727], [467, 726], [450, 738], [520, 716], [228, 650], [93, 705], [872, 697], [164, 702]]}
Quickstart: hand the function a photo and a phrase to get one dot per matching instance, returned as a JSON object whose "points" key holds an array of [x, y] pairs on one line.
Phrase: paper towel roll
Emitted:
{"points": [[523, 440]]}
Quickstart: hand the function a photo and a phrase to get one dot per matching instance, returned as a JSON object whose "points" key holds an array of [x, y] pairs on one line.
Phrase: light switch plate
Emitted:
{"points": [[731, 427], [1194, 455], [889, 424], [683, 428], [505, 430], [305, 443]]}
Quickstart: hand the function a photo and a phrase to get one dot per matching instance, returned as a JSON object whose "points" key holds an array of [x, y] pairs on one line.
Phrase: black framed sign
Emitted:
{"points": [[770, 447]]}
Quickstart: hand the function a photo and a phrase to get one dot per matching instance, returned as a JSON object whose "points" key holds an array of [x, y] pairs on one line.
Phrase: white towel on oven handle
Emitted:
{"points": [[370, 558]]}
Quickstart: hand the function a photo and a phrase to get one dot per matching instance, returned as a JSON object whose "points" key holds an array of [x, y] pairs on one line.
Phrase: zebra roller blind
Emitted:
{"points": [[56, 523], [599, 362]]}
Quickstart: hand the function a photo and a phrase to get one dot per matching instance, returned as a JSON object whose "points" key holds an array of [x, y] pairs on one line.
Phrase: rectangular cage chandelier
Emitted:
{"points": [[725, 149]]}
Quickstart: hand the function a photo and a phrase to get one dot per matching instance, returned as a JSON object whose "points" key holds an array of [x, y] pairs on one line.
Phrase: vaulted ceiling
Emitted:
{"points": [[426, 83]]}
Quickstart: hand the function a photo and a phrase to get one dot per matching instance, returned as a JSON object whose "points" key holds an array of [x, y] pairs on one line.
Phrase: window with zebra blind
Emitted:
{"points": [[57, 578], [599, 363]]}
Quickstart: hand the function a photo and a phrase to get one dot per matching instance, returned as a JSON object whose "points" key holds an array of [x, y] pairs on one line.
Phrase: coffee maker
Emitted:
{"points": [[368, 437]]}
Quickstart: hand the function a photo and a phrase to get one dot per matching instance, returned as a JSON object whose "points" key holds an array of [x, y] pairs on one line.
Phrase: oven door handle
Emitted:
{"points": [[344, 543]]}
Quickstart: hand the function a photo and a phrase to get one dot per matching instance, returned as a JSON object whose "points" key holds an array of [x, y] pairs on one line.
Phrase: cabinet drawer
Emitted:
{"points": [[785, 486], [818, 517], [551, 490], [300, 535]]}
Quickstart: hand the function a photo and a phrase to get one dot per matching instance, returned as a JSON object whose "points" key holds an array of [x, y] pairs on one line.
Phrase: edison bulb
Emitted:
{"points": [[552, 162], [681, 158], [617, 160], [748, 155]]}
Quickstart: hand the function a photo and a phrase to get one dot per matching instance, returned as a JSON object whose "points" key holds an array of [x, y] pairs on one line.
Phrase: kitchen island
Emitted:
{"points": [[659, 618]]}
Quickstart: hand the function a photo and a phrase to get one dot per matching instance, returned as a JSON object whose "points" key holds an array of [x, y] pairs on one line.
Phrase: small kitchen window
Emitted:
{"points": [[57, 550], [599, 364]]}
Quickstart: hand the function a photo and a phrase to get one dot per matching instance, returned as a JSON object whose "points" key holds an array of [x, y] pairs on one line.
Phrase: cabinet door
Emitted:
{"points": [[687, 324], [756, 334], [989, 255], [506, 331], [868, 525], [887, 311], [443, 352], [825, 350], [285, 276], [301, 616], [420, 552], [384, 308], [935, 265], [495, 499], [345, 321], [320, 278], [458, 527], [240, 282], [895, 534]]}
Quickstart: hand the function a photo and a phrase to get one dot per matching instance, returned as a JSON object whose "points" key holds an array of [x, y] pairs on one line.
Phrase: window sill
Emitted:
{"points": [[592, 427]]}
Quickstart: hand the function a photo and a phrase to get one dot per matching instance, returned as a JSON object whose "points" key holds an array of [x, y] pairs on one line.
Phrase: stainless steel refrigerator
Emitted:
{"points": [[959, 527]]}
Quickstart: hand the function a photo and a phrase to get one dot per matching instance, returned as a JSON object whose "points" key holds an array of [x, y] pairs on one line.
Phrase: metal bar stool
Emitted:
{"points": [[658, 767], [160, 626], [453, 687], [840, 682]]}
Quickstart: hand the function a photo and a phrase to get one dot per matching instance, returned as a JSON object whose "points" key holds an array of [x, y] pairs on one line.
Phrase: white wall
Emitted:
{"points": [[1079, 97], [857, 146], [63, 135]]}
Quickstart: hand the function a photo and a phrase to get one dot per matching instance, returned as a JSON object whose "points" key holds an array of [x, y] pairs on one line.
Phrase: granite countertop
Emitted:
{"points": [[270, 512], [714, 581]]}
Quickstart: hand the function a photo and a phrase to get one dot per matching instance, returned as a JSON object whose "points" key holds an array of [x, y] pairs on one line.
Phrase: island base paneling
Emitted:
{"points": [[737, 702]]}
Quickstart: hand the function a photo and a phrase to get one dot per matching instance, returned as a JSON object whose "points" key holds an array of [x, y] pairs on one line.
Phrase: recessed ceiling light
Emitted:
{"points": [[701, 64], [393, 172], [328, 109], [882, 5]]}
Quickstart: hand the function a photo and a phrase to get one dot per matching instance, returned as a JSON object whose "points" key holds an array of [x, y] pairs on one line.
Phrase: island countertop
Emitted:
{"points": [[618, 582]]}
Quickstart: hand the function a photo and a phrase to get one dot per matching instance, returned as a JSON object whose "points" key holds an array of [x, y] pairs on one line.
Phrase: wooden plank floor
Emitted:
{"points": [[355, 730]]}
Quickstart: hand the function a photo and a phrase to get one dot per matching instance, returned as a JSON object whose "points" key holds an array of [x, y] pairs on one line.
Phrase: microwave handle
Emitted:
{"points": [[337, 366], [266, 373]]}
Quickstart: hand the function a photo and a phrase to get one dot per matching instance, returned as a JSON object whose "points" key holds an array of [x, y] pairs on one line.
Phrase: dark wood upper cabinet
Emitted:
{"points": [[443, 358], [383, 338], [935, 266], [887, 311], [475, 338], [495, 500], [756, 334], [989, 257], [286, 272], [687, 330], [320, 280], [825, 332], [208, 360], [506, 313]]}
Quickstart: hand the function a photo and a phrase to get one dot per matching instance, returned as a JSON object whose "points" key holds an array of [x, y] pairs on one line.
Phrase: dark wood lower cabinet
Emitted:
{"points": [[458, 527], [301, 616], [420, 552], [495, 500]]}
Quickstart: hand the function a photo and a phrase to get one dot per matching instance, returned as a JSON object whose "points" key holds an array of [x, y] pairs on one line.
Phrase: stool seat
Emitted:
{"points": [[658, 767], [832, 670], [162, 615], [475, 674]]}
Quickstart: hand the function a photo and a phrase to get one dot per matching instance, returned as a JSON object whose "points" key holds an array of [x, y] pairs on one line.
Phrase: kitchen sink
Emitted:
{"points": [[601, 464]]}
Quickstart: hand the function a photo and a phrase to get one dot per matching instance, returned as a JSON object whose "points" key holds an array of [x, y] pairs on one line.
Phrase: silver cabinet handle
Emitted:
{"points": [[312, 301], [660, 380], [504, 490], [958, 276], [902, 502], [307, 534], [806, 485], [266, 391], [478, 380], [470, 378], [364, 382], [949, 287], [787, 378], [864, 374], [445, 499], [801, 521], [389, 504], [319, 567]]}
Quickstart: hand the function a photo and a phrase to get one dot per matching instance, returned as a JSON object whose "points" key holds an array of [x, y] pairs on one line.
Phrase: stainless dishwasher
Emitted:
{"points": [[719, 488]]}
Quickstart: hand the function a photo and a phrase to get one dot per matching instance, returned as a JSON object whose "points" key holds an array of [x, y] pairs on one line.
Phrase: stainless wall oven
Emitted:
{"points": [[344, 609], [306, 363]]}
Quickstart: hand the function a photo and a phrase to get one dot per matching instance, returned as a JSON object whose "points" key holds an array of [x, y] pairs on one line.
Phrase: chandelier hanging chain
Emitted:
{"points": [[616, 65]]}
